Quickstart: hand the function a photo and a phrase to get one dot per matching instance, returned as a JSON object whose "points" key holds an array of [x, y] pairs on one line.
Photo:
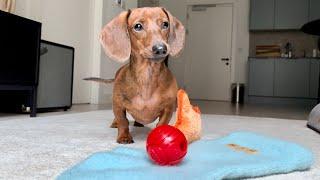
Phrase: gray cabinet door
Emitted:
{"points": [[292, 78], [261, 14], [55, 77], [314, 77], [314, 12], [291, 14], [261, 75]]}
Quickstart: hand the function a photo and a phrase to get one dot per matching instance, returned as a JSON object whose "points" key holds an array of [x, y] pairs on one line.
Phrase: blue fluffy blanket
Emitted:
{"points": [[238, 155]]}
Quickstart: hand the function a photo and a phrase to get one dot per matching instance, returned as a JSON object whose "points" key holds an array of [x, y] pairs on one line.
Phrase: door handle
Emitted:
{"points": [[225, 59]]}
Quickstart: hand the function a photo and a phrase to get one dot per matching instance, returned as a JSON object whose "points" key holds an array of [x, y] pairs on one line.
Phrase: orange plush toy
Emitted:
{"points": [[188, 118]]}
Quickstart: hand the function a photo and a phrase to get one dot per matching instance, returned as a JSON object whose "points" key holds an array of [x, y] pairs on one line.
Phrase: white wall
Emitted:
{"points": [[242, 41], [179, 10], [78, 23], [96, 50], [108, 67], [71, 23], [21, 7], [241, 49]]}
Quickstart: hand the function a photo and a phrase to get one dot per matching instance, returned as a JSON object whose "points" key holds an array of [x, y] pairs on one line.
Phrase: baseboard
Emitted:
{"points": [[281, 101]]}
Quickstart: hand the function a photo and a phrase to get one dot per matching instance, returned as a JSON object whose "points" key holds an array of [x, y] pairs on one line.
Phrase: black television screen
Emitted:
{"points": [[19, 50]]}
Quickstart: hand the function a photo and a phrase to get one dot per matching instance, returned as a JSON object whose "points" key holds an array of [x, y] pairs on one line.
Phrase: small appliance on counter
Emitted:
{"points": [[288, 50], [313, 28]]}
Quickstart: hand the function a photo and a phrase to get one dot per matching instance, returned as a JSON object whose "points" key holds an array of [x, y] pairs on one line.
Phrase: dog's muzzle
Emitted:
{"points": [[159, 50]]}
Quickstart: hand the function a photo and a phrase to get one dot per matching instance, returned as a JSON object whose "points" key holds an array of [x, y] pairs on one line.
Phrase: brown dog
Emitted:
{"points": [[144, 87]]}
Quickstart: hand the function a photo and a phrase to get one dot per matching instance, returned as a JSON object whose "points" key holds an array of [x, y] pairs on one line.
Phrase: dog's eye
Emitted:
{"points": [[138, 27], [165, 25]]}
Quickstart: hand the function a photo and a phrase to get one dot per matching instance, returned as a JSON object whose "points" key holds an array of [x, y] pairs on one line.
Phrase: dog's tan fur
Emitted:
{"points": [[144, 87]]}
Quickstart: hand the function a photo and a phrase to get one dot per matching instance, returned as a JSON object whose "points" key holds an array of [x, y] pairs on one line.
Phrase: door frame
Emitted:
{"points": [[233, 4]]}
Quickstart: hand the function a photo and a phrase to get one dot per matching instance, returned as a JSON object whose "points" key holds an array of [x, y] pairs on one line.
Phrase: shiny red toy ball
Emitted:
{"points": [[166, 145]]}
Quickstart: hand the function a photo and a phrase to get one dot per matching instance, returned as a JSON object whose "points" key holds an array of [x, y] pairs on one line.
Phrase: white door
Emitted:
{"points": [[209, 52]]}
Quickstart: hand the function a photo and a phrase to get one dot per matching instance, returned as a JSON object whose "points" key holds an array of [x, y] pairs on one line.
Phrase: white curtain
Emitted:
{"points": [[8, 5]]}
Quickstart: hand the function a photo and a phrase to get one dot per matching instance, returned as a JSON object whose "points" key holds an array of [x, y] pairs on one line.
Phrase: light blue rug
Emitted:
{"points": [[239, 155]]}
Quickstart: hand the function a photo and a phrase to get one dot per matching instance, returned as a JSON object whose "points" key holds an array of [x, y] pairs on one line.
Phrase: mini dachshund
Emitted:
{"points": [[144, 87]]}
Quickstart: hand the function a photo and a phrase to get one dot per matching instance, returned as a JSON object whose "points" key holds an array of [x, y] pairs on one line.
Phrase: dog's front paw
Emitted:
{"points": [[125, 139]]}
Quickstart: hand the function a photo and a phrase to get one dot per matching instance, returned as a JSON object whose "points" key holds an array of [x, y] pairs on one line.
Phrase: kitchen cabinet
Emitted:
{"points": [[291, 14], [262, 14], [261, 75], [314, 11], [292, 78], [314, 77], [282, 14], [284, 78]]}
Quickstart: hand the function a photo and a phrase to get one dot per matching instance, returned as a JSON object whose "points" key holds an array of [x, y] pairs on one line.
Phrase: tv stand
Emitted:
{"points": [[32, 95]]}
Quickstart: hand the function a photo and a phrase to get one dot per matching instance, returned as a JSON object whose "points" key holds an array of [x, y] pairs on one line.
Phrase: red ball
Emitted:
{"points": [[166, 145]]}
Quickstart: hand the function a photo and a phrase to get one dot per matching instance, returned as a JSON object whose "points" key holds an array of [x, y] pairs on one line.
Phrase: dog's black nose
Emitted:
{"points": [[159, 49]]}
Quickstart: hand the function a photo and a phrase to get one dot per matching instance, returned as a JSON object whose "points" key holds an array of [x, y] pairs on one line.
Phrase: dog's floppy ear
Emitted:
{"points": [[115, 38], [176, 36]]}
